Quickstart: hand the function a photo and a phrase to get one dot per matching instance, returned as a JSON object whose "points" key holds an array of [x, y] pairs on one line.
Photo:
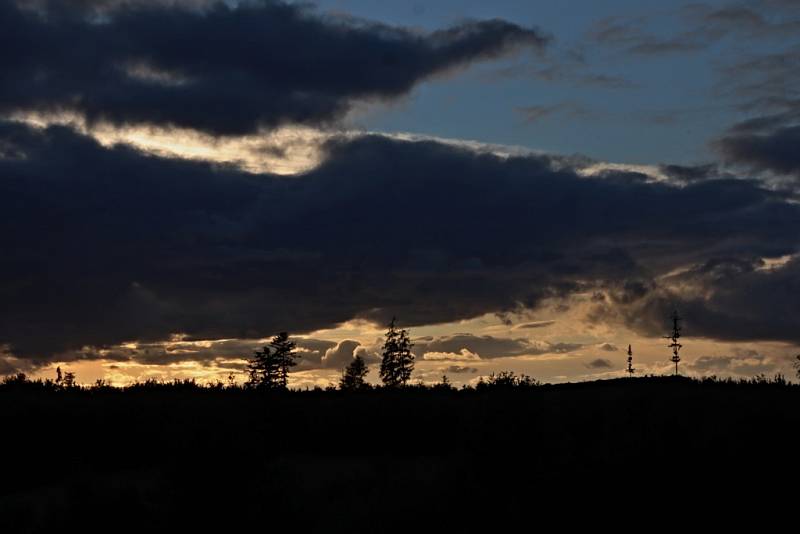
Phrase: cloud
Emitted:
{"points": [[341, 355], [727, 299], [6, 367], [563, 67], [772, 150], [222, 69], [106, 245], [458, 369], [462, 355], [761, 82], [608, 347], [690, 173], [224, 354], [472, 347], [628, 35], [698, 26], [533, 114], [599, 363], [535, 324], [743, 363]]}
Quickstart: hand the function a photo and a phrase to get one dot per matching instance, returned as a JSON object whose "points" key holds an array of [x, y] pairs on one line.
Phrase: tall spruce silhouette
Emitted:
{"points": [[398, 362], [353, 376], [630, 370], [269, 367], [675, 336]]}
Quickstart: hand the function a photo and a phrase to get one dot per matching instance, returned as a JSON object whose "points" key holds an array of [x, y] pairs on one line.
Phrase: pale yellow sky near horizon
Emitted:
{"points": [[651, 356]]}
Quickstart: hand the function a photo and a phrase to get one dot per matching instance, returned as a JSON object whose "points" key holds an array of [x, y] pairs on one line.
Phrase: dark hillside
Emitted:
{"points": [[162, 457]]}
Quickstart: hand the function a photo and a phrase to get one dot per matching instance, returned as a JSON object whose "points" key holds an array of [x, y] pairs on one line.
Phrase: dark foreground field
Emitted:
{"points": [[183, 458]]}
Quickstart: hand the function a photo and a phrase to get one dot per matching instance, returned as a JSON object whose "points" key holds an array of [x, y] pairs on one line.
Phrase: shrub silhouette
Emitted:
{"points": [[398, 362], [506, 380]]}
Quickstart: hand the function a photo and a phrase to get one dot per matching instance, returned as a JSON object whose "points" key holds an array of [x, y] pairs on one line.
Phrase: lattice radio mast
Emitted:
{"points": [[676, 334], [630, 368]]}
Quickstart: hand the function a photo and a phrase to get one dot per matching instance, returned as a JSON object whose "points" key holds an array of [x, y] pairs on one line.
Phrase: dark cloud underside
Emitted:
{"points": [[222, 69], [599, 363], [105, 245], [777, 151]]}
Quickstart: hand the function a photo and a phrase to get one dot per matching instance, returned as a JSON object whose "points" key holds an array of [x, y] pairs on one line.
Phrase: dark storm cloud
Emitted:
{"points": [[727, 299], [775, 150], [106, 245], [218, 68], [766, 87], [690, 173]]}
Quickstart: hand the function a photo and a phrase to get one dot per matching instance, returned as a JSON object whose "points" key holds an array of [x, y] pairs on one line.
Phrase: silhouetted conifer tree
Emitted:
{"points": [[353, 376], [398, 362], [269, 367]]}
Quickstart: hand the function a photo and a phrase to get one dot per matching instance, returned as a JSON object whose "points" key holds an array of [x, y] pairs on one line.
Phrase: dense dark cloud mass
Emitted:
{"points": [[690, 173], [218, 68], [106, 245], [764, 148], [732, 299], [599, 363]]}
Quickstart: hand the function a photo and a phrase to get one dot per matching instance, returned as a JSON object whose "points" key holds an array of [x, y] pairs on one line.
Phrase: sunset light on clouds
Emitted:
{"points": [[522, 189]]}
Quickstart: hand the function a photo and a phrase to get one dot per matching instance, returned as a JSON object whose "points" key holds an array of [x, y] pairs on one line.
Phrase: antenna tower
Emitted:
{"points": [[630, 368], [675, 336]]}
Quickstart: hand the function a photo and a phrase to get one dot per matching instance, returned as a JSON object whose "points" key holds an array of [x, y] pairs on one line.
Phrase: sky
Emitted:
{"points": [[526, 186]]}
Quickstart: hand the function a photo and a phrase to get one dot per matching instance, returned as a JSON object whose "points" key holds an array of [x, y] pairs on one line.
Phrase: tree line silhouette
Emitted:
{"points": [[268, 369], [159, 454]]}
